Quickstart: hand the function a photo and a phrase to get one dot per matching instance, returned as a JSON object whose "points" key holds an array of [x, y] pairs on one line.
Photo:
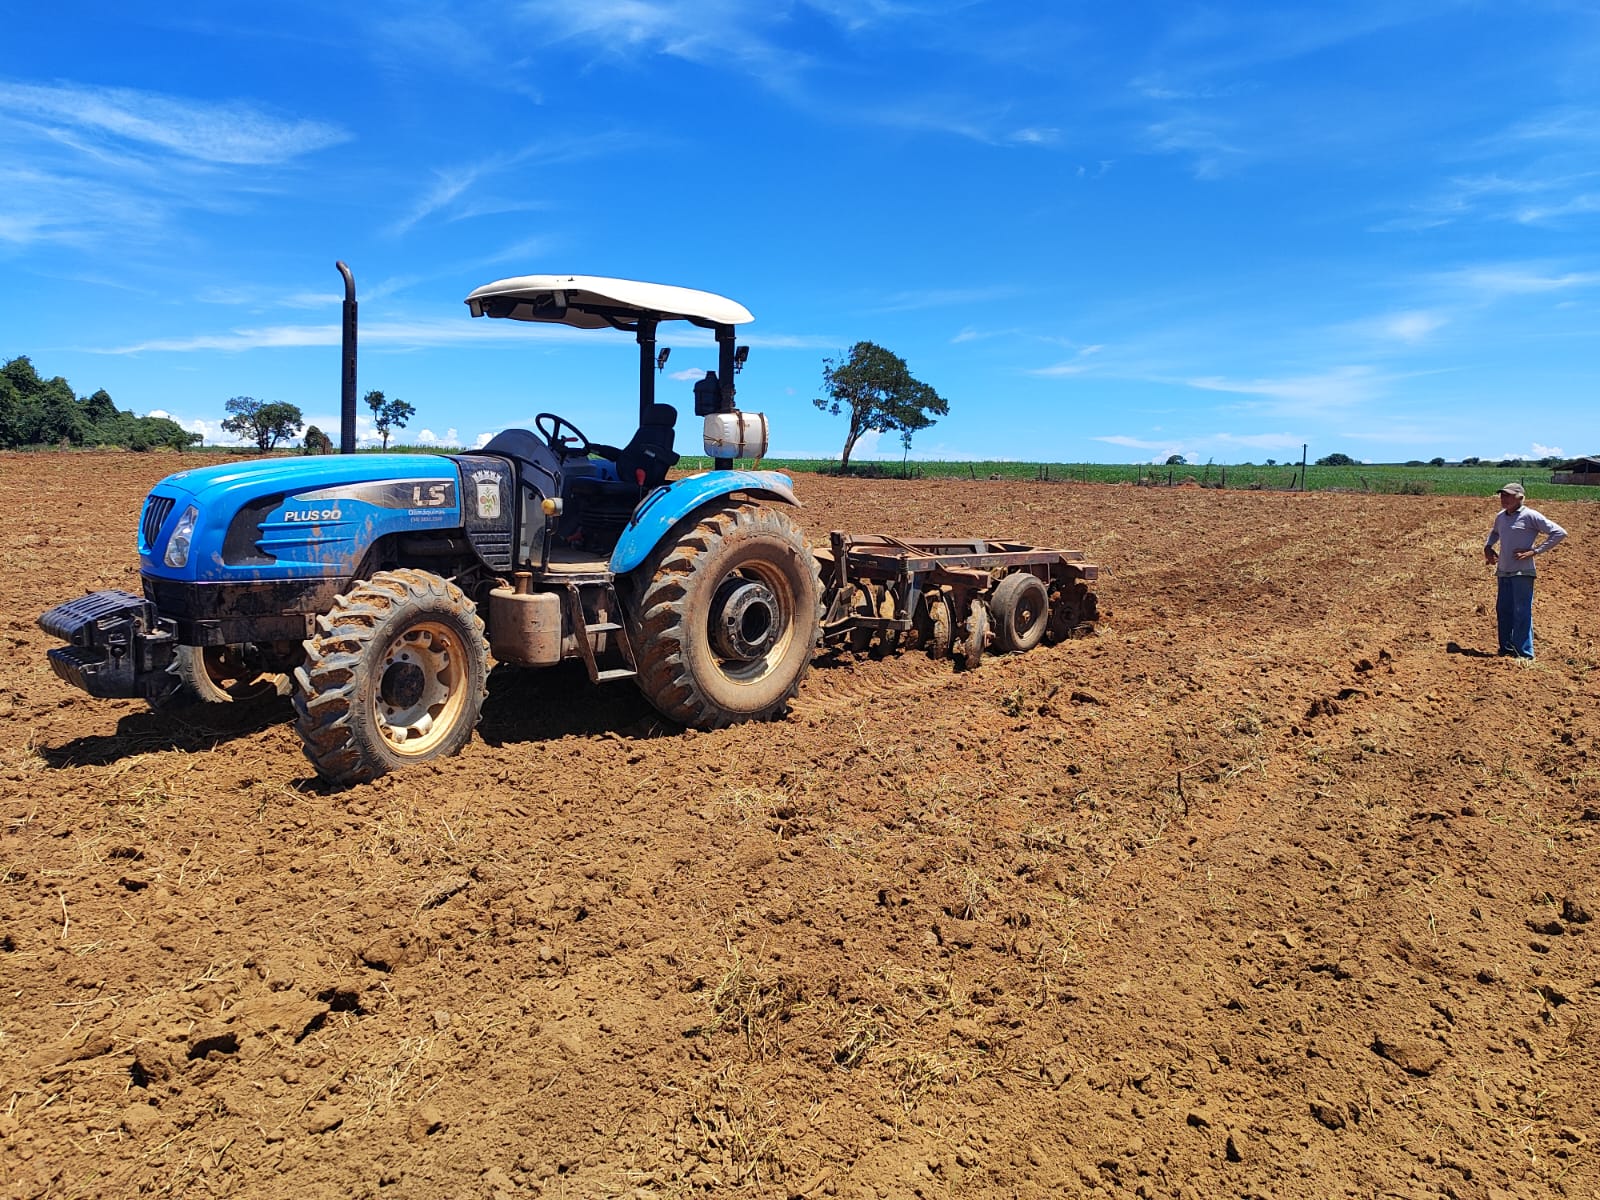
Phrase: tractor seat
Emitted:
{"points": [[642, 464]]}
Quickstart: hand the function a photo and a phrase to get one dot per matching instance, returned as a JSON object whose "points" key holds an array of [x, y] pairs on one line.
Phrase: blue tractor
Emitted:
{"points": [[377, 587]]}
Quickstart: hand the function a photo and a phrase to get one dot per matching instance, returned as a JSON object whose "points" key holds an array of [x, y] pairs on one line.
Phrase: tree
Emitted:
{"points": [[99, 409], [1176, 460], [1436, 461], [317, 442], [10, 413], [266, 424], [880, 393], [388, 415], [1471, 462], [1336, 460], [152, 432]]}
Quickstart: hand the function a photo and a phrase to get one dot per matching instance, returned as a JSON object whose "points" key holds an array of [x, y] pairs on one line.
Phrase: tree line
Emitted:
{"points": [[45, 412], [35, 411], [268, 424]]}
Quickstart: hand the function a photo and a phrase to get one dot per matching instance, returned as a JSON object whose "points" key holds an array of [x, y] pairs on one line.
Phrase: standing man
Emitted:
{"points": [[1517, 527]]}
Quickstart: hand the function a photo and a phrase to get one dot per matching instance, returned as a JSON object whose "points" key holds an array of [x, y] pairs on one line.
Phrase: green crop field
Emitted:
{"points": [[1393, 479], [1477, 480]]}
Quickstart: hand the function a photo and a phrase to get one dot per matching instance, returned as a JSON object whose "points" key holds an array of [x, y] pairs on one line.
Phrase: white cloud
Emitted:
{"points": [[1411, 327], [482, 440], [1548, 451]]}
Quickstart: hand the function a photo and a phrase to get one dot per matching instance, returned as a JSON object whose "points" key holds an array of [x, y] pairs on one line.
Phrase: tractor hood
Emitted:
{"points": [[292, 518], [255, 476]]}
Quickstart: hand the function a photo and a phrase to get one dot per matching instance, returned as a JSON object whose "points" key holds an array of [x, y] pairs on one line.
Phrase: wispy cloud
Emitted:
{"points": [[1203, 140], [1133, 443], [926, 298], [403, 334], [463, 191], [86, 164], [1494, 281], [446, 187], [1342, 387], [700, 31], [1076, 365], [234, 134], [840, 78], [1411, 327]]}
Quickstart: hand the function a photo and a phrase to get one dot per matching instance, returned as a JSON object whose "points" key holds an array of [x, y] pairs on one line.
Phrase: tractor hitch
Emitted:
{"points": [[117, 645]]}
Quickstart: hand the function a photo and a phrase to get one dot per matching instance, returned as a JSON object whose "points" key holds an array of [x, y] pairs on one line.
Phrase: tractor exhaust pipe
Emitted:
{"points": [[347, 396]]}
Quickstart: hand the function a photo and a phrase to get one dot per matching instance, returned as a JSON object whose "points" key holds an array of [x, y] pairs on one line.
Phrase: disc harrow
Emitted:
{"points": [[950, 597]]}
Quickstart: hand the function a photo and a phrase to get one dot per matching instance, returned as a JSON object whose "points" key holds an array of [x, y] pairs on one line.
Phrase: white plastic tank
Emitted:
{"points": [[736, 435]]}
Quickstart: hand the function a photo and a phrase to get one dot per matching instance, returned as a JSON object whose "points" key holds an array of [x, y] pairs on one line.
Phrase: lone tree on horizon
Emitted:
{"points": [[880, 393], [265, 424], [388, 415]]}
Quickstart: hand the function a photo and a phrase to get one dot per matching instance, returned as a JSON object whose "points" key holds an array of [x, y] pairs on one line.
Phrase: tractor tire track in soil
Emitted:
{"points": [[1278, 885]]}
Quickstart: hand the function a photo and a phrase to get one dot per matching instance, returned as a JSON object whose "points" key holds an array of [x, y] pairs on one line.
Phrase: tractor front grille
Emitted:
{"points": [[156, 511]]}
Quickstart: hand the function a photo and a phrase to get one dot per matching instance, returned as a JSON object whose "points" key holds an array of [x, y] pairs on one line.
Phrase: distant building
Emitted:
{"points": [[1579, 470]]}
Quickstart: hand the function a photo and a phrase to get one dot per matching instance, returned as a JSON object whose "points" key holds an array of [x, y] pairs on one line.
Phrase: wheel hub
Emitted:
{"points": [[744, 620], [402, 685]]}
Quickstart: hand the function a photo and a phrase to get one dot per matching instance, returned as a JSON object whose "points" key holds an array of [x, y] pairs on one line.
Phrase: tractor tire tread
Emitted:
{"points": [[325, 690], [662, 624]]}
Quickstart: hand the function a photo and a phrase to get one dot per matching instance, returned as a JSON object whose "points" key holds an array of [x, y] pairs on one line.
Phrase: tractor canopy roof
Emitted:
{"points": [[595, 302]]}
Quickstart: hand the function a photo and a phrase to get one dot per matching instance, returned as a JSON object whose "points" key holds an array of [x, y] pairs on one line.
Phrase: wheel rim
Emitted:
{"points": [[420, 691], [751, 622], [1030, 610]]}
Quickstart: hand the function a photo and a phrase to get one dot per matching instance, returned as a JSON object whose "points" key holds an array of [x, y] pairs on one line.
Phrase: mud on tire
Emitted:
{"points": [[395, 674], [726, 616]]}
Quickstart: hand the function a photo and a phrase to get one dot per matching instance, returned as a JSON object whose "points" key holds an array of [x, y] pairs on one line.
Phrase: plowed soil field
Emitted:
{"points": [[1279, 885]]}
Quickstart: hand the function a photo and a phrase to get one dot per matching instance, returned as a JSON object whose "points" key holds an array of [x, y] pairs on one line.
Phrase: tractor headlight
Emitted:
{"points": [[177, 554]]}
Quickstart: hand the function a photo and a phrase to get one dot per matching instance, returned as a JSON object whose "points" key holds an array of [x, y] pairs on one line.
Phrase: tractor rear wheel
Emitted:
{"points": [[727, 616], [1021, 611], [395, 674]]}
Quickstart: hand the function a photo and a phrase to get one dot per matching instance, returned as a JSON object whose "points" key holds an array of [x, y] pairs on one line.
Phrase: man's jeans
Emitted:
{"points": [[1514, 608]]}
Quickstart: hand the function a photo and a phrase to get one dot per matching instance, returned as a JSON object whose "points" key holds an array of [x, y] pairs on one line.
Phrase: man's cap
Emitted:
{"points": [[1512, 489]]}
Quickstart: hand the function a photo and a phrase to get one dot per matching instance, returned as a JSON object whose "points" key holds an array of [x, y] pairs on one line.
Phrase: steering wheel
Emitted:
{"points": [[572, 444]]}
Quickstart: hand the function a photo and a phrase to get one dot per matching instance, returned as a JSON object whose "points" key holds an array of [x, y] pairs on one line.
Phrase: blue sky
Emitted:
{"points": [[1102, 232]]}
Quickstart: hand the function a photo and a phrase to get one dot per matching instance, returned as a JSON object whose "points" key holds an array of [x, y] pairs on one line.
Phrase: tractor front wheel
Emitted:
{"points": [[226, 674], [727, 617], [395, 674]]}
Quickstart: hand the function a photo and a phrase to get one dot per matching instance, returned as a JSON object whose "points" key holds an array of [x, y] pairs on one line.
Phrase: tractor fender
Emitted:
{"points": [[665, 507]]}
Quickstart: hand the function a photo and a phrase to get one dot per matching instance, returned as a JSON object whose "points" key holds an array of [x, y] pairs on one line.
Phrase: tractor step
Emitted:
{"points": [[620, 649]]}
